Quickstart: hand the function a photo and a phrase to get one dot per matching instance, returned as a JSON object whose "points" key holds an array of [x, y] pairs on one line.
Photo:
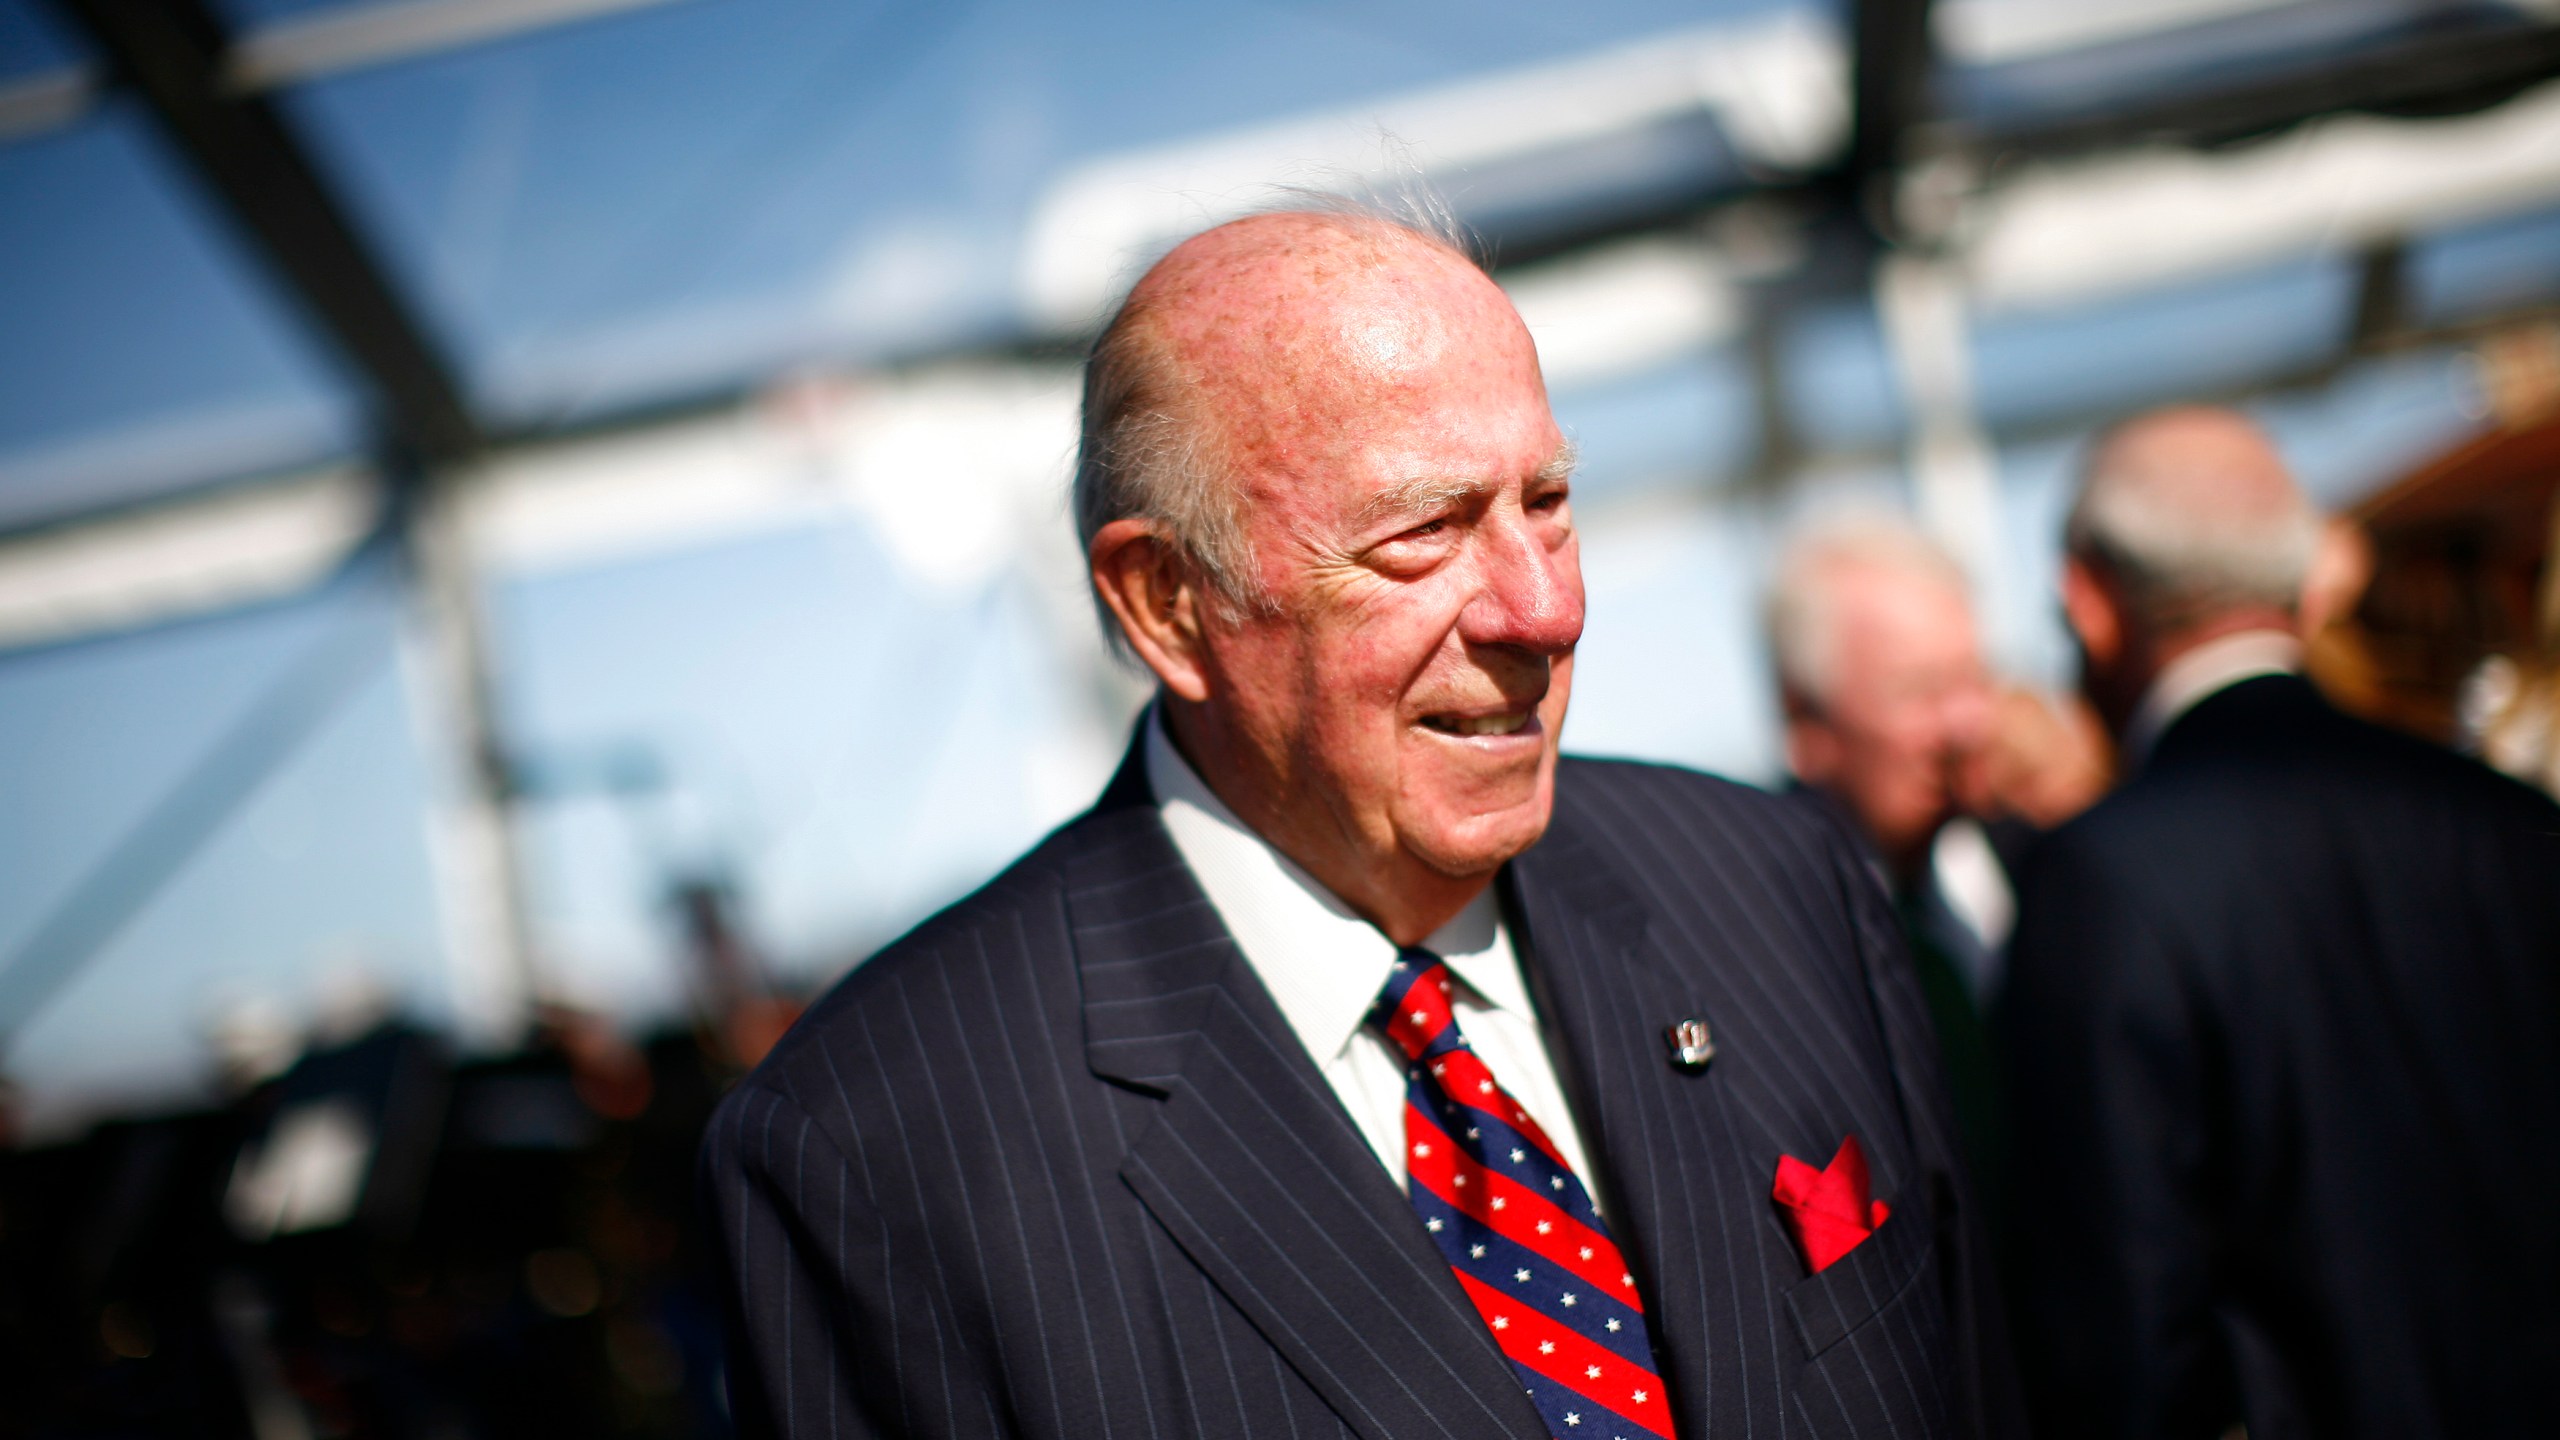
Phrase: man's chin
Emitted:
{"points": [[1478, 844]]}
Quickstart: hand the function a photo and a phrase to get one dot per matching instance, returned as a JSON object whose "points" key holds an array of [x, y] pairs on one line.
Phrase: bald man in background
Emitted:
{"points": [[2283, 1013]]}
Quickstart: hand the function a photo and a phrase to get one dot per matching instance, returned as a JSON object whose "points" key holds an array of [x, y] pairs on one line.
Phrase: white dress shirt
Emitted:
{"points": [[1325, 966], [2209, 669]]}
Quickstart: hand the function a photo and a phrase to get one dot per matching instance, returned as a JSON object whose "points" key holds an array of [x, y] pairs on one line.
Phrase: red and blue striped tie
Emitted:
{"points": [[1512, 1219]]}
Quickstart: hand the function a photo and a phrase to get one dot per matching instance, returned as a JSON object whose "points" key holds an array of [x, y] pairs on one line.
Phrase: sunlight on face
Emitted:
{"points": [[1405, 504]]}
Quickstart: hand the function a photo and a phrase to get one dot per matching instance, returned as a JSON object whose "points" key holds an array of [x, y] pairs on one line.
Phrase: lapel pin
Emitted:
{"points": [[1691, 1046]]}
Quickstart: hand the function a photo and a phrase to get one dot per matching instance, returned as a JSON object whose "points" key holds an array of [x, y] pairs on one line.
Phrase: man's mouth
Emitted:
{"points": [[1506, 724]]}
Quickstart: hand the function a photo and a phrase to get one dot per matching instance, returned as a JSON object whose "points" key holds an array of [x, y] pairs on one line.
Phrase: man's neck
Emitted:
{"points": [[2203, 662]]}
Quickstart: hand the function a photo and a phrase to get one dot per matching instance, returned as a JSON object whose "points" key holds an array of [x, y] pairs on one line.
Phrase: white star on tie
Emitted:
{"points": [[1432, 1224], [1546, 1347], [1568, 1300], [1499, 1202], [1518, 1154], [1592, 1371], [1613, 1327], [1444, 987], [1557, 1183], [1627, 1280], [1501, 1322], [1457, 1179], [1476, 1252], [1545, 1225], [1484, 1087], [1423, 1149], [1421, 1017], [1521, 1276], [1438, 1068], [1586, 1252], [1640, 1397], [1571, 1418], [1474, 1134]]}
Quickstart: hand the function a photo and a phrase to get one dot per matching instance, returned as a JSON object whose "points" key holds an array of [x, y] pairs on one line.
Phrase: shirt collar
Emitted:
{"points": [[1322, 963], [2207, 670]]}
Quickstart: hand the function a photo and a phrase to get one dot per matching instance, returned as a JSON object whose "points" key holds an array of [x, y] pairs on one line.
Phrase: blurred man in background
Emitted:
{"points": [[2283, 1015], [1887, 709]]}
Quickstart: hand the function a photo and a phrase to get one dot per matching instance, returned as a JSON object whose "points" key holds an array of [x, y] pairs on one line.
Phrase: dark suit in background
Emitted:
{"points": [[1054, 1164], [2283, 1030]]}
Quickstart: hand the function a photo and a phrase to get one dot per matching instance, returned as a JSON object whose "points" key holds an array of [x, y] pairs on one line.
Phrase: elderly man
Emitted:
{"points": [[1301, 1088], [1886, 704], [2284, 1012]]}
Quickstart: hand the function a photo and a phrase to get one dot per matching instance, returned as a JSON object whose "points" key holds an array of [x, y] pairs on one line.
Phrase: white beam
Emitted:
{"points": [[2068, 233], [1623, 309], [1954, 476], [1995, 32], [351, 37], [181, 559], [38, 102]]}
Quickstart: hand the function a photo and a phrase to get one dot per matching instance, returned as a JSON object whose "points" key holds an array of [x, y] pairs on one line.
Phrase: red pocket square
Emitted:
{"points": [[1827, 1210]]}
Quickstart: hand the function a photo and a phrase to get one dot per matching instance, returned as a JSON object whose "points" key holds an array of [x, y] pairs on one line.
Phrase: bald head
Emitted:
{"points": [[2193, 515], [1233, 357]]}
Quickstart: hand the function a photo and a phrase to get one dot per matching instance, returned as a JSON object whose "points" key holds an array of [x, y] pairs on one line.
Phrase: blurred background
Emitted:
{"points": [[532, 531]]}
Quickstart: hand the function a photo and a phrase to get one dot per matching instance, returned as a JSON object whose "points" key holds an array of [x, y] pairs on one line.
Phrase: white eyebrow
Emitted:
{"points": [[1418, 497], [1432, 492], [1561, 465]]}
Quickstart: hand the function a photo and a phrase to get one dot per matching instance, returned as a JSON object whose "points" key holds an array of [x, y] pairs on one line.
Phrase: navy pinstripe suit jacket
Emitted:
{"points": [[1054, 1165]]}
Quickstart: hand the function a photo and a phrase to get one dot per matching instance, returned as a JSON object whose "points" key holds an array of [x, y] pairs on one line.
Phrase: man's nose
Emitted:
{"points": [[1531, 593]]}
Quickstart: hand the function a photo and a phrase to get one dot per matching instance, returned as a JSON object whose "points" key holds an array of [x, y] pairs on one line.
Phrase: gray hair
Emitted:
{"points": [[1801, 614], [2186, 540], [1144, 454]]}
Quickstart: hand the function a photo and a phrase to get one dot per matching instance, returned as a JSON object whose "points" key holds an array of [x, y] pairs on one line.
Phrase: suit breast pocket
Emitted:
{"points": [[1862, 1284], [1875, 1338]]}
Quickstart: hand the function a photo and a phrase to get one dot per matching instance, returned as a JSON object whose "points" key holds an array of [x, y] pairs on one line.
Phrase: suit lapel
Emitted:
{"points": [[1251, 1163], [1582, 936], [1662, 1140]]}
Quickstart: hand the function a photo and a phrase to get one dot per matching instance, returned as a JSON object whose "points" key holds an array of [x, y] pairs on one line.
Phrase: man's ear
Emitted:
{"points": [[2096, 616], [1154, 591]]}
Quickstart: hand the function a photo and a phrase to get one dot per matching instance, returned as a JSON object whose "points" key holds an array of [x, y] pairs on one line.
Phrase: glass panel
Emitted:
{"points": [[1688, 426], [2376, 422], [2484, 269], [245, 15], [1671, 665], [319, 882], [682, 197], [33, 42], [2116, 64], [1838, 380], [2154, 345], [791, 713], [143, 352]]}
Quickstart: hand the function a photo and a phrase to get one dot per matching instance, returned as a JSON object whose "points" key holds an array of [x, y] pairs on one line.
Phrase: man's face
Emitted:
{"points": [[1908, 707], [1396, 708]]}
